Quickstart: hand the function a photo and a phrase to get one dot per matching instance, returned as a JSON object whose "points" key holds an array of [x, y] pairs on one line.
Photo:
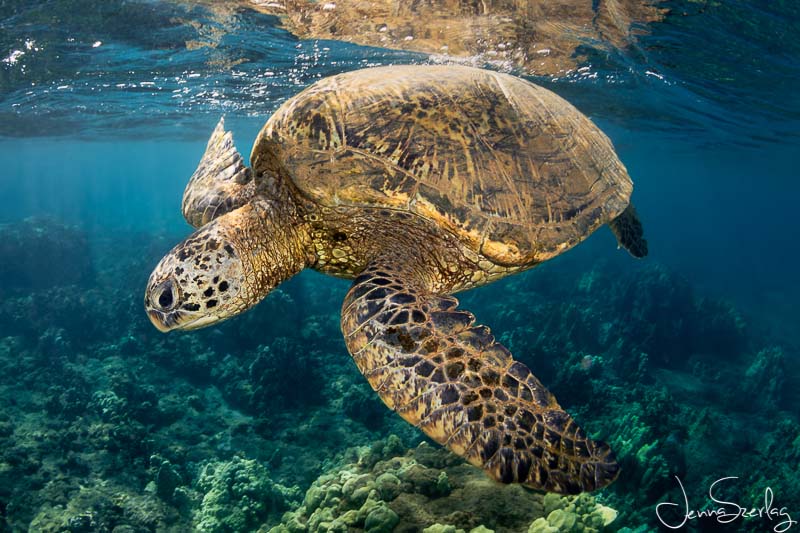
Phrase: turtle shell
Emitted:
{"points": [[511, 168]]}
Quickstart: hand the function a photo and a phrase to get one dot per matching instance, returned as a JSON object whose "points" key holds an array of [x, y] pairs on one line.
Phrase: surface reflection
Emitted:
{"points": [[539, 37]]}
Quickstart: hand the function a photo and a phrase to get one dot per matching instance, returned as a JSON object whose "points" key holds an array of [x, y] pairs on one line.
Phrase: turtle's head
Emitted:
{"points": [[198, 283], [223, 269]]}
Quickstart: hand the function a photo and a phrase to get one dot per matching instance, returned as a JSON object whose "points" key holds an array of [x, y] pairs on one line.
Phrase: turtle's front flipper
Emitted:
{"points": [[221, 182], [449, 377], [628, 230]]}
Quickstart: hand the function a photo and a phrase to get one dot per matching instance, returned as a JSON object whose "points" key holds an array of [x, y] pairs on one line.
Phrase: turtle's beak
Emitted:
{"points": [[166, 322], [157, 318]]}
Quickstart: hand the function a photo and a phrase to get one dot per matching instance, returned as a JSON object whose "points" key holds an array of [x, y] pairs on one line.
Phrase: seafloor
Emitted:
{"points": [[265, 424]]}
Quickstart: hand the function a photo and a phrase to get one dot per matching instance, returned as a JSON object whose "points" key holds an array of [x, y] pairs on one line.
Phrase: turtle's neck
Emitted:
{"points": [[273, 242]]}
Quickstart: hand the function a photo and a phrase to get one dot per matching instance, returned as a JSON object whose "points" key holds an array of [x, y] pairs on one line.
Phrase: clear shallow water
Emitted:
{"points": [[724, 70], [105, 110]]}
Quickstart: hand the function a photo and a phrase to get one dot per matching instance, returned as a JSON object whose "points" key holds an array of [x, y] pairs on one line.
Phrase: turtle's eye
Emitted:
{"points": [[165, 295]]}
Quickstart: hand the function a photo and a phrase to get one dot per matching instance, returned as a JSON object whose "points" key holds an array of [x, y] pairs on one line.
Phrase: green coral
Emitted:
{"points": [[430, 489], [638, 449], [238, 495], [577, 514], [444, 528], [380, 519], [104, 507]]}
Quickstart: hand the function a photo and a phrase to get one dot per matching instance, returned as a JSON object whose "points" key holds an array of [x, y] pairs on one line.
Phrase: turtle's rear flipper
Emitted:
{"points": [[449, 377], [221, 182], [628, 230]]}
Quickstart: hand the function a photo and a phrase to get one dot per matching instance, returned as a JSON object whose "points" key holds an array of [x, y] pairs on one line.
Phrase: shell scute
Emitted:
{"points": [[515, 171]]}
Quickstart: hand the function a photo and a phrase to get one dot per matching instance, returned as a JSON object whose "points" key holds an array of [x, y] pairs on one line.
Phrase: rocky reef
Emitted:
{"points": [[429, 489], [264, 423]]}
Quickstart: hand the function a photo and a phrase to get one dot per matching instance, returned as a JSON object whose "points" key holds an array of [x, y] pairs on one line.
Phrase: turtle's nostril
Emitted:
{"points": [[165, 295]]}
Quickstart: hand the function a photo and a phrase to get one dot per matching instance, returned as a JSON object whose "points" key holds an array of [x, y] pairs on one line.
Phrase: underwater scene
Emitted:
{"points": [[655, 379]]}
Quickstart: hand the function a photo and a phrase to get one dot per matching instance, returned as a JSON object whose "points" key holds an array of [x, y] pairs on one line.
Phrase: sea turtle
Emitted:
{"points": [[416, 182]]}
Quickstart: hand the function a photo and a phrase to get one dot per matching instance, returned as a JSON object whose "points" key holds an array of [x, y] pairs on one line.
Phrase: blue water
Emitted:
{"points": [[104, 114]]}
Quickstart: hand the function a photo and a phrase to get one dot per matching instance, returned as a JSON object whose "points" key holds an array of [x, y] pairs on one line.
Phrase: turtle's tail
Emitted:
{"points": [[628, 230]]}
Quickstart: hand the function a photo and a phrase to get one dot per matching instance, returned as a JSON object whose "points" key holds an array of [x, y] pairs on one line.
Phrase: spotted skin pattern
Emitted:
{"points": [[431, 364], [227, 266], [200, 275]]}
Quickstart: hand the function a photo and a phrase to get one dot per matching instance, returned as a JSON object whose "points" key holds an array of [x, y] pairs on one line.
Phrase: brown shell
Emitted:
{"points": [[511, 168]]}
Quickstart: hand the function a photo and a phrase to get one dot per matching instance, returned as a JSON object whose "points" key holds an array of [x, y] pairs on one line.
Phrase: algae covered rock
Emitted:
{"points": [[167, 480], [381, 519], [442, 528], [426, 489], [238, 495], [579, 514], [105, 507], [445, 528], [389, 486]]}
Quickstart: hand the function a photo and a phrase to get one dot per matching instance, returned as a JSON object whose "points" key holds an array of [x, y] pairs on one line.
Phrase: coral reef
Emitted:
{"points": [[107, 425], [238, 495], [429, 489]]}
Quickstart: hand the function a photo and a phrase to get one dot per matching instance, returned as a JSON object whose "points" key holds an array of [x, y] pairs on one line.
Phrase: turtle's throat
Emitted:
{"points": [[272, 242]]}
